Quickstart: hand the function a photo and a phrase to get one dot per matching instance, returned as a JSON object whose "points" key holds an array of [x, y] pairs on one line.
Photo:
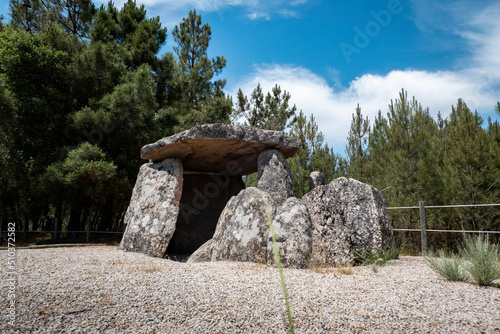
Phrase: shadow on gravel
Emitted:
{"points": [[178, 257]]}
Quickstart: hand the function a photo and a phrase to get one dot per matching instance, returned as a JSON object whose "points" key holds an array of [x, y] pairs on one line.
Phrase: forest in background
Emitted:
{"points": [[82, 89]]}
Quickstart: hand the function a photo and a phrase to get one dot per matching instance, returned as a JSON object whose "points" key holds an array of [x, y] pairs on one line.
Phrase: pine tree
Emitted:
{"points": [[408, 151], [197, 98], [404, 160], [473, 161], [357, 145], [313, 155], [74, 16], [271, 113], [136, 38]]}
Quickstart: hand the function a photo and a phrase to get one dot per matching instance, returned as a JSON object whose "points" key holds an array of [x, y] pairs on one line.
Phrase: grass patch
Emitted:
{"points": [[483, 261], [345, 271], [478, 261], [376, 258], [152, 270], [379, 257], [447, 266], [317, 268]]}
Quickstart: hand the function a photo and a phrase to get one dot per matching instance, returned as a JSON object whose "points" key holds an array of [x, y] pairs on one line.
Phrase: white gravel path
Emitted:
{"points": [[105, 290]]}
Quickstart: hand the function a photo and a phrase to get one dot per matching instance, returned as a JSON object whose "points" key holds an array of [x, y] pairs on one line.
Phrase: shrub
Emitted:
{"points": [[378, 258], [448, 266], [478, 260], [483, 262], [345, 271]]}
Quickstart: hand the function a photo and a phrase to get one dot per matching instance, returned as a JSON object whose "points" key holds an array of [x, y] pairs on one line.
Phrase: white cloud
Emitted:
{"points": [[257, 9], [476, 22], [172, 11], [204, 5], [476, 80], [255, 15], [483, 38], [333, 108]]}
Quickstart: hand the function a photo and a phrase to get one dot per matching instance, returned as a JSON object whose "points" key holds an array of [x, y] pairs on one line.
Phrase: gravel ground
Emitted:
{"points": [[103, 289]]}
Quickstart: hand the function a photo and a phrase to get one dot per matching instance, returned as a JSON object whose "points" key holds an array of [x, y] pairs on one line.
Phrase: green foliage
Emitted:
{"points": [[411, 157], [270, 113], [483, 259], [357, 150], [87, 169], [448, 266], [73, 16], [95, 71], [67, 76], [478, 260], [405, 159], [313, 155], [376, 258], [137, 39], [472, 167], [197, 98], [35, 100]]}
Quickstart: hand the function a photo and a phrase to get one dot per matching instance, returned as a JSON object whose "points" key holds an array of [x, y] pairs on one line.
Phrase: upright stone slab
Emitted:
{"points": [[293, 231], [203, 199], [275, 176], [242, 231], [346, 215], [152, 214], [364, 214], [316, 179], [329, 235]]}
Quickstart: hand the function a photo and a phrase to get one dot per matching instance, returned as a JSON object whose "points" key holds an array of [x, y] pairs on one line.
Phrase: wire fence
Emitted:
{"points": [[423, 220], [55, 233]]}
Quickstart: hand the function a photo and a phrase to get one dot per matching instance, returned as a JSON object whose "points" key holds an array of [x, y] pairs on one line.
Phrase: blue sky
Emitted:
{"points": [[331, 55]]}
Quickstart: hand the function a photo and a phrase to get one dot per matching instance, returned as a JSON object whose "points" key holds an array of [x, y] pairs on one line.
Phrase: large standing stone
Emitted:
{"points": [[275, 176], [316, 179], [203, 199], [152, 214], [364, 213], [292, 229], [242, 231], [346, 215], [329, 235]]}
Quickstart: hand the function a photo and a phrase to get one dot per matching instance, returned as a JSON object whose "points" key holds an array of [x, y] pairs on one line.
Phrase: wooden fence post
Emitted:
{"points": [[87, 239], [423, 227], [54, 239]]}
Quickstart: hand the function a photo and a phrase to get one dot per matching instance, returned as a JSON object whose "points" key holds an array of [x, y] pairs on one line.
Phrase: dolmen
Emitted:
{"points": [[190, 199]]}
